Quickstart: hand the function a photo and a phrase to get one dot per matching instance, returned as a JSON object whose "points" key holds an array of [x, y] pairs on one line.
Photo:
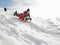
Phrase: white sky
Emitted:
{"points": [[47, 8], [40, 8]]}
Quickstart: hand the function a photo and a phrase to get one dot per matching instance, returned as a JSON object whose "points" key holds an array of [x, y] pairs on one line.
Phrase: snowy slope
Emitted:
{"points": [[38, 32]]}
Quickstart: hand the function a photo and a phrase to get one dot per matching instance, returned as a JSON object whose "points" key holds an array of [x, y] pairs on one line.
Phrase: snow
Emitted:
{"points": [[39, 32]]}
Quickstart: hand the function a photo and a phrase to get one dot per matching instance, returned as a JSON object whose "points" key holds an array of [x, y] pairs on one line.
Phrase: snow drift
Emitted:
{"points": [[38, 32]]}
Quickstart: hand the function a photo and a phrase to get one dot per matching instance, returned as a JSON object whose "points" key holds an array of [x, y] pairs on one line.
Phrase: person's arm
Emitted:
{"points": [[29, 15]]}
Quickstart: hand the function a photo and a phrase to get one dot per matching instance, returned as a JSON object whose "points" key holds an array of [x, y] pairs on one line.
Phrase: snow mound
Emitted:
{"points": [[15, 32]]}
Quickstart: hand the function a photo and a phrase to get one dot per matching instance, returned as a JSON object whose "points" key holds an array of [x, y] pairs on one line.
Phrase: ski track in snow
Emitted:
{"points": [[38, 32]]}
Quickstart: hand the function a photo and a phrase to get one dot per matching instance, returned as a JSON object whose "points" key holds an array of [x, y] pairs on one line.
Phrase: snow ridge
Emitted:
{"points": [[38, 32]]}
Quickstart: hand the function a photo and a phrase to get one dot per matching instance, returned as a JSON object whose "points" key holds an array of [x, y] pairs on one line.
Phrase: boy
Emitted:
{"points": [[27, 15]]}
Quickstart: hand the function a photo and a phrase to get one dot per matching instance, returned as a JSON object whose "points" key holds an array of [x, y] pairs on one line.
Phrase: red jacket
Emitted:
{"points": [[21, 16]]}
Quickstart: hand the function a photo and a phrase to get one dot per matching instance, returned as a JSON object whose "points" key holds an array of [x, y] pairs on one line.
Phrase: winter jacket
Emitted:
{"points": [[21, 16], [26, 14]]}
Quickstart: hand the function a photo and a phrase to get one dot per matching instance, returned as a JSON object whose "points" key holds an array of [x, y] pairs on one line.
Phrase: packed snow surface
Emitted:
{"points": [[38, 32]]}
